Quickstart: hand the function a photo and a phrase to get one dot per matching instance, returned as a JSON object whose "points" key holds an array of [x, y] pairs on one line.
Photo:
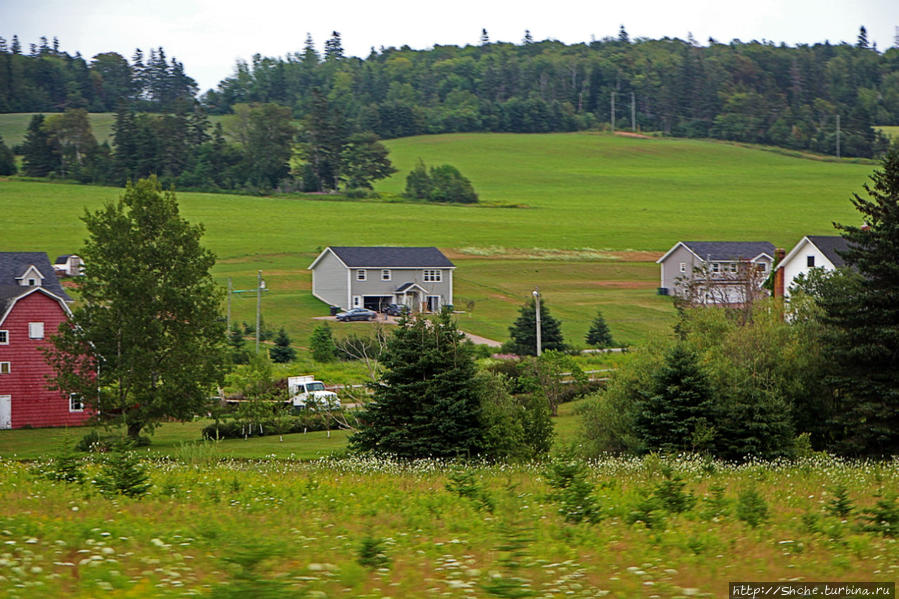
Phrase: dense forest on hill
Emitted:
{"points": [[821, 97]]}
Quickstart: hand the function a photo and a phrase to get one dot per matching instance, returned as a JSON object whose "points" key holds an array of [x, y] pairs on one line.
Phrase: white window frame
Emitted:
{"points": [[733, 267], [357, 301], [433, 276], [73, 399], [5, 367], [716, 267], [386, 275], [683, 267], [4, 337], [35, 330], [763, 266], [428, 302], [361, 275]]}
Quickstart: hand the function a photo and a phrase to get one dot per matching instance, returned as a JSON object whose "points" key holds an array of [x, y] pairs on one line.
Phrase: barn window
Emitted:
{"points": [[35, 330], [4, 367], [75, 403], [4, 337]]}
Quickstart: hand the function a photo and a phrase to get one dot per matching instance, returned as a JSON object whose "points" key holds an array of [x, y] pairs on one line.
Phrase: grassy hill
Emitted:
{"points": [[595, 211]]}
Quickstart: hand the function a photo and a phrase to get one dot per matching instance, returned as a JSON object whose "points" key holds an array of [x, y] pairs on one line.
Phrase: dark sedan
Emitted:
{"points": [[357, 314]]}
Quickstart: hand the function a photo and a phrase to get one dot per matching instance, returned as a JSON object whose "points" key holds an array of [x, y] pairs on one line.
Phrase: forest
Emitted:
{"points": [[823, 98]]}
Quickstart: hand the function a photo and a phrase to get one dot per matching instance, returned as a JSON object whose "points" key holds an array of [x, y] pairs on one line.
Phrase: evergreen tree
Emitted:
{"points": [[123, 474], [862, 38], [426, 403], [334, 47], [523, 331], [39, 160], [599, 334], [282, 353], [623, 36], [322, 344], [7, 160], [866, 320], [237, 344], [674, 411]]}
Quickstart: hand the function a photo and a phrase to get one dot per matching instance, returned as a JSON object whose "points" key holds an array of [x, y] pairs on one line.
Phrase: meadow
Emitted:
{"points": [[366, 528], [583, 216]]}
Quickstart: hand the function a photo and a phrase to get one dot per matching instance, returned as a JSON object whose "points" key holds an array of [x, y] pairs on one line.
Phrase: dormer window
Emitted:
{"points": [[31, 278]]}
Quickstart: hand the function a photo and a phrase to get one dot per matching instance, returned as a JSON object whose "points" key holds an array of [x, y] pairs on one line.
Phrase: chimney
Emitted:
{"points": [[779, 254]]}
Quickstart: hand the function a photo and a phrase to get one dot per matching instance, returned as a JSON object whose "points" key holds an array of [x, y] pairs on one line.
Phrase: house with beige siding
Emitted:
{"points": [[372, 277]]}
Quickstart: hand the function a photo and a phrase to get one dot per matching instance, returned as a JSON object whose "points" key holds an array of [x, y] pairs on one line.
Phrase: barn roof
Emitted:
{"points": [[15, 264]]}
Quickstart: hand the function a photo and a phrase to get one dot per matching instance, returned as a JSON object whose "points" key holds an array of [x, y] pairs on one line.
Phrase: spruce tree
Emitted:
{"points": [[237, 345], [282, 353], [599, 334], [426, 403], [322, 344], [673, 411], [523, 331], [39, 158], [865, 346], [7, 160]]}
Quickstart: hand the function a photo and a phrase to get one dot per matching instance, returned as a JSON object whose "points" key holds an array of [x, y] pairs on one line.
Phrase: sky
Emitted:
{"points": [[209, 36]]}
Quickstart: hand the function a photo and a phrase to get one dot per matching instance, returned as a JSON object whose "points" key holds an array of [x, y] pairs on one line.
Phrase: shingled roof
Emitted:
{"points": [[730, 250], [15, 264], [831, 246], [391, 257]]}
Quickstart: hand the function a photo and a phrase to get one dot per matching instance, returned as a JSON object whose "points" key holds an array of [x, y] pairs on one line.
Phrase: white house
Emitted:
{"points": [[814, 251], [68, 265]]}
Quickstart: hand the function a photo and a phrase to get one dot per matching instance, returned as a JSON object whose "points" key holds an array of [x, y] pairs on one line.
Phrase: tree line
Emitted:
{"points": [[753, 91]]}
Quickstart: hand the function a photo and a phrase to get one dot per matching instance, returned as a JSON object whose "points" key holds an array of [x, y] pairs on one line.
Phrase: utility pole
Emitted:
{"points": [[228, 332], [613, 112], [633, 113], [537, 305], [258, 305], [838, 136]]}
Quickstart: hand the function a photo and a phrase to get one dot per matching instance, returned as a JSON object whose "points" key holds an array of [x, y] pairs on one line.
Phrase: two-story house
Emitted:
{"points": [[813, 251], [372, 277], [32, 306], [716, 272]]}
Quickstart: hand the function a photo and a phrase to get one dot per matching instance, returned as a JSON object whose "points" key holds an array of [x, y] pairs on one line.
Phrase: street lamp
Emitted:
{"points": [[537, 304]]}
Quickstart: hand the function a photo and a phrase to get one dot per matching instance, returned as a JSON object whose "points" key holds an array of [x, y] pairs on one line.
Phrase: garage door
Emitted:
{"points": [[376, 302]]}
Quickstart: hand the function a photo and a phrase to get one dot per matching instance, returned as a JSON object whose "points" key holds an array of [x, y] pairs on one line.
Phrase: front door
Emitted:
{"points": [[5, 411], [433, 303]]}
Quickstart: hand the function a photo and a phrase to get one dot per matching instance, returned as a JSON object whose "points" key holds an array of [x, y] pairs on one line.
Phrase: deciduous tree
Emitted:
{"points": [[146, 342]]}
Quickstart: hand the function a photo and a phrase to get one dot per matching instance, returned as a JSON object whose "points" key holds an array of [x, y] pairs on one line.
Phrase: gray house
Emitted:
{"points": [[372, 277], [716, 272]]}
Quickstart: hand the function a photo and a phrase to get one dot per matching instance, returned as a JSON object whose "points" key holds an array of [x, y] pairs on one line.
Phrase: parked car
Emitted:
{"points": [[357, 314], [396, 309]]}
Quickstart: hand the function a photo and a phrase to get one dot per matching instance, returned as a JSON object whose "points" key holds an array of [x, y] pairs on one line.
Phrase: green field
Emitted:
{"points": [[595, 211], [891, 131]]}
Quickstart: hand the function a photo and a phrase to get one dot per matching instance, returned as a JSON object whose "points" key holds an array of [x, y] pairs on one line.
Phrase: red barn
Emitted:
{"points": [[32, 306]]}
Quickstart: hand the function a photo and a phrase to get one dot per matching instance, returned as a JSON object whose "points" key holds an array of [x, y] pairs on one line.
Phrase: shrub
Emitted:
{"points": [[322, 344], [371, 553], [670, 493], [272, 425], [840, 505], [122, 473], [751, 507], [884, 516], [649, 511], [568, 478], [464, 484]]}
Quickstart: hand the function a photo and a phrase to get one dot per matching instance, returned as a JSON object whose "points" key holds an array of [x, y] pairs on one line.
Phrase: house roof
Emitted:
{"points": [[15, 264], [831, 246], [725, 250], [63, 259], [389, 257]]}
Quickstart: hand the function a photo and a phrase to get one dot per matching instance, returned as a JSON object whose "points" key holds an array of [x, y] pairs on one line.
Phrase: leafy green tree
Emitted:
{"points": [[426, 403], [523, 331], [599, 334], [146, 342], [322, 344], [266, 134], [865, 321], [365, 160], [675, 409], [418, 182], [7, 160], [72, 139], [449, 185], [282, 352], [39, 160]]}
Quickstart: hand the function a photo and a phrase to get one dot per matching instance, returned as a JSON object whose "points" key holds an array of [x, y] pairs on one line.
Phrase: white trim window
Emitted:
{"points": [[360, 274], [75, 403], [433, 276], [683, 267], [5, 367], [357, 301], [4, 337], [716, 267], [385, 274], [35, 330]]}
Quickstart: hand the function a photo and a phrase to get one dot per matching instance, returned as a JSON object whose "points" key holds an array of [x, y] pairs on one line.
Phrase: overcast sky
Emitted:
{"points": [[208, 36]]}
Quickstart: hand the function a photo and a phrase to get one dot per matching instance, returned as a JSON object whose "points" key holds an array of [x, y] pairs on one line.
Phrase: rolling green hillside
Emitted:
{"points": [[589, 203]]}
